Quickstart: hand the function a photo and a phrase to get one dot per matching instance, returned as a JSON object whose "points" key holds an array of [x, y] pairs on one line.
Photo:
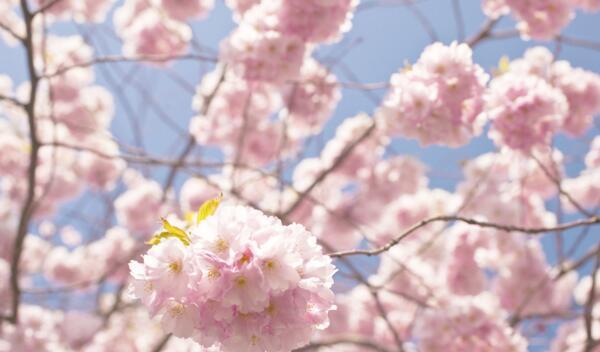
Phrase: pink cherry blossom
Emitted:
{"points": [[263, 56], [138, 208], [310, 20], [462, 325], [151, 34], [538, 19], [582, 90], [525, 111], [184, 10], [259, 285], [588, 5], [592, 158], [438, 100], [310, 101]]}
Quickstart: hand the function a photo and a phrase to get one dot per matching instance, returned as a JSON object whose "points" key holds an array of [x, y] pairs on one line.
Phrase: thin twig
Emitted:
{"points": [[117, 59], [509, 228], [483, 33], [45, 7], [344, 340], [323, 175], [191, 140]]}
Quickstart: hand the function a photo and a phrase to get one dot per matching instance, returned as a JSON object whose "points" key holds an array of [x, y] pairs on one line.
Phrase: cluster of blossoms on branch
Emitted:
{"points": [[235, 277], [539, 19], [238, 279]]}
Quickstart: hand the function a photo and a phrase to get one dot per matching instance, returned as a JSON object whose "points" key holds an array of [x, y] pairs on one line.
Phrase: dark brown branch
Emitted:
{"points": [[12, 100], [45, 7], [162, 343], [12, 33], [28, 204]]}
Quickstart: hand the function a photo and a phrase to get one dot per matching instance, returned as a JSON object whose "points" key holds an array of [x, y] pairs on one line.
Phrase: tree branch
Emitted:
{"points": [[191, 140], [28, 205], [509, 228], [344, 340]]}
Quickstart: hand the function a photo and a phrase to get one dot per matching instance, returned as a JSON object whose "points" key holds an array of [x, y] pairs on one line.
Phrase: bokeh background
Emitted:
{"points": [[153, 105]]}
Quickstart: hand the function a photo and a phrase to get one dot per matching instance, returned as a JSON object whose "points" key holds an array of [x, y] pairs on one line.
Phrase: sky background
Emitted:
{"points": [[384, 35]]}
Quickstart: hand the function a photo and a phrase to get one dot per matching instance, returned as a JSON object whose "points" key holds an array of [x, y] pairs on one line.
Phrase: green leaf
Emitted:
{"points": [[208, 208], [171, 231]]}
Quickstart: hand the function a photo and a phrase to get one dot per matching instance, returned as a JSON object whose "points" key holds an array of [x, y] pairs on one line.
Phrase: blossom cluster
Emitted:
{"points": [[535, 97], [438, 99], [272, 94], [237, 279], [158, 27], [539, 19], [232, 278], [76, 151]]}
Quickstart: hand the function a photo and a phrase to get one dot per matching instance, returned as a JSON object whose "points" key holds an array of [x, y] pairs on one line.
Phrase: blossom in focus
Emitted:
{"points": [[236, 278]]}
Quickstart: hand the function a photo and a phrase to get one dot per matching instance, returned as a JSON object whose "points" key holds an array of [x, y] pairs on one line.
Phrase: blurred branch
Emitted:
{"points": [[459, 18], [557, 182], [162, 343], [28, 204], [425, 23], [483, 33], [207, 100], [509, 228], [45, 7], [121, 59], [589, 308], [323, 175], [12, 100], [12, 33], [579, 42], [344, 340]]}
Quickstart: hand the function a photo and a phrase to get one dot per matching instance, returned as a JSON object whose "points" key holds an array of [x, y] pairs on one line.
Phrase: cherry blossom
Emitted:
{"points": [[437, 100], [259, 284]]}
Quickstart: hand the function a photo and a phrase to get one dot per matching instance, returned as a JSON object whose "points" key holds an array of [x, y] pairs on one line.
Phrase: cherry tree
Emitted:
{"points": [[274, 225]]}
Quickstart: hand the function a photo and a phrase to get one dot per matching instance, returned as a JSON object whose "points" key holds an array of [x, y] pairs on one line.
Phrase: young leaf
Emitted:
{"points": [[208, 208]]}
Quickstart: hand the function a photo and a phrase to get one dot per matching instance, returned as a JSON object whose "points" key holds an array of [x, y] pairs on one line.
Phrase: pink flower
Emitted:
{"points": [[151, 34], [310, 20], [464, 274], [582, 90], [237, 105], [194, 192], [592, 158], [588, 5], [311, 100], [240, 7], [364, 155], [525, 111], [537, 19], [102, 169], [138, 207], [438, 100], [186, 9], [247, 282], [263, 56], [525, 283], [467, 325]]}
